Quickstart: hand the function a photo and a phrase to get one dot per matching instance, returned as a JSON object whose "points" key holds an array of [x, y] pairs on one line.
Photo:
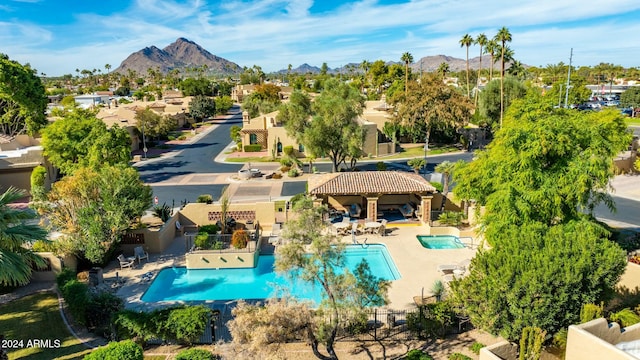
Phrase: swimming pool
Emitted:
{"points": [[261, 282], [440, 242]]}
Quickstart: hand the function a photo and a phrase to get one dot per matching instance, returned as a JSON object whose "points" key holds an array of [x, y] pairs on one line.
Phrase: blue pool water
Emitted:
{"points": [[440, 242], [261, 282]]}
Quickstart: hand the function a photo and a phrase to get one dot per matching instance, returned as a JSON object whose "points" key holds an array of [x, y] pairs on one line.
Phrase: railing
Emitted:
{"points": [[222, 242]]}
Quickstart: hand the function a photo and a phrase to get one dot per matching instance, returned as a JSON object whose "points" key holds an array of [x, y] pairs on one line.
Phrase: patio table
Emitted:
{"points": [[371, 226]]}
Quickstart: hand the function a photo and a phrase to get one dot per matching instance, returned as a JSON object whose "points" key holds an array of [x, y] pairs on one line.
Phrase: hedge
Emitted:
{"points": [[123, 350], [253, 148]]}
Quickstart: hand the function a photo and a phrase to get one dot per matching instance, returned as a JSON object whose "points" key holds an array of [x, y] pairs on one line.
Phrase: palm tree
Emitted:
{"points": [[503, 36], [491, 48], [517, 69], [407, 58], [446, 169], [443, 69], [365, 65], [482, 41], [16, 260], [467, 40]]}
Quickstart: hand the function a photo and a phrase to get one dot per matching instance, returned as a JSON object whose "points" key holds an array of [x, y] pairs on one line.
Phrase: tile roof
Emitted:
{"points": [[368, 182]]}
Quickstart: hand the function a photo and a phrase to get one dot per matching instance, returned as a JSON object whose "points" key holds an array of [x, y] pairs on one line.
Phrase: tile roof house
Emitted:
{"points": [[374, 191]]}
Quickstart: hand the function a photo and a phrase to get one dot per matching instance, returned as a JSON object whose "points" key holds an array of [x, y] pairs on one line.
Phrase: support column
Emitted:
{"points": [[425, 207], [372, 208]]}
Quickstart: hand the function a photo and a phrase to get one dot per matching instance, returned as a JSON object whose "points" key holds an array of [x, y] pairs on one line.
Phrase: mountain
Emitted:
{"points": [[181, 54]]}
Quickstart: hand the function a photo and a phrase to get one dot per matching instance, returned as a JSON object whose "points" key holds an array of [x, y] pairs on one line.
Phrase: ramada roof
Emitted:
{"points": [[368, 182]]}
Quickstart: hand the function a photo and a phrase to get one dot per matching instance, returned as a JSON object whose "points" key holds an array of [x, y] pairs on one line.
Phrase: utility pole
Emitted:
{"points": [[566, 96]]}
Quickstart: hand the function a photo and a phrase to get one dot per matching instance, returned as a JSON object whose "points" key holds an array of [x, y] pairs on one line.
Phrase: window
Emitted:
{"points": [[301, 148], [279, 147], [253, 139]]}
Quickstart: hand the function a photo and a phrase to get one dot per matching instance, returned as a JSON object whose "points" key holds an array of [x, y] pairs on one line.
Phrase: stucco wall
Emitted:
{"points": [[594, 340], [501, 351], [156, 239], [197, 214], [631, 276], [57, 264], [211, 259]]}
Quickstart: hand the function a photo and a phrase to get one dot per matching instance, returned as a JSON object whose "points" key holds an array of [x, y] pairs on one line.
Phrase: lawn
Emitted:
{"points": [[632, 121], [37, 317]]}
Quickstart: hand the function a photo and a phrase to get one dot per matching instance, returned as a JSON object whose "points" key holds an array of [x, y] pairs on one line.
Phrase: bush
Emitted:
{"points": [[209, 229], [288, 150], [100, 311], [239, 239], [459, 356], [438, 186], [276, 176], [187, 324], [417, 354], [123, 350], [286, 162], [38, 178], [452, 218], [202, 240], [285, 168], [76, 296], [253, 148], [431, 320], [43, 246], [64, 277], [163, 212], [182, 137], [171, 137], [293, 172], [195, 354], [475, 348], [205, 198], [381, 166]]}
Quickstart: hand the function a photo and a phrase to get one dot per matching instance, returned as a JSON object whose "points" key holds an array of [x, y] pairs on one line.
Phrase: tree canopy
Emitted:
{"points": [[154, 124], [490, 98], [80, 139], [630, 97], [22, 99], [329, 126], [16, 259], [201, 107], [195, 87], [544, 171], [93, 208]]}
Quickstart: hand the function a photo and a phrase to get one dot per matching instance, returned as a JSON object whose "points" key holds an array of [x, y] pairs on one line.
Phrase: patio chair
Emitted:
{"points": [[447, 268], [140, 254], [126, 263], [382, 230], [355, 210], [407, 210], [274, 237]]}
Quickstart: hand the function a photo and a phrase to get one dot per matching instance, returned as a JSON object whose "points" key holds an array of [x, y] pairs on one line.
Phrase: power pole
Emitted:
{"points": [[566, 96]]}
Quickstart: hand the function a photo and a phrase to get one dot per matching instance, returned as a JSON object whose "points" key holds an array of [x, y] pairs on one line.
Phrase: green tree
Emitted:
{"points": [[446, 169], [481, 40], [80, 139], [17, 259], [201, 107], [195, 87], [315, 255], [443, 69], [38, 180], [492, 97], [93, 208], [153, 124], [466, 41], [223, 104], [431, 104], [22, 99], [491, 48], [630, 97], [503, 36], [407, 59]]}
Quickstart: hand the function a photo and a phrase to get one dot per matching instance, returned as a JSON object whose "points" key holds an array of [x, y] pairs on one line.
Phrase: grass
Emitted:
{"points": [[251, 159], [632, 121], [38, 317]]}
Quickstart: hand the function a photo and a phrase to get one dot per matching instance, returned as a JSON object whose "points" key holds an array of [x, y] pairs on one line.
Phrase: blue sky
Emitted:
{"points": [[58, 37]]}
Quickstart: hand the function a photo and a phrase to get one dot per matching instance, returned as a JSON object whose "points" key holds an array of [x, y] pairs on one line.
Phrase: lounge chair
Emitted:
{"points": [[140, 254], [447, 268], [407, 210], [355, 210], [126, 263], [274, 238], [382, 230]]}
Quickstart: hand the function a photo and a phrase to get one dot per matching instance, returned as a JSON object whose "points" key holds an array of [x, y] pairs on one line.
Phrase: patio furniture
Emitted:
{"points": [[407, 210], [126, 262], [371, 227], [382, 230], [355, 210], [140, 254], [447, 268], [274, 237], [341, 227]]}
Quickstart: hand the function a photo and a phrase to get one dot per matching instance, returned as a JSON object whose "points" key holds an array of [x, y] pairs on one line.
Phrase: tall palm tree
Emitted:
{"points": [[491, 48], [503, 36], [407, 58], [365, 65], [467, 40], [446, 169], [15, 259], [481, 40], [443, 69]]}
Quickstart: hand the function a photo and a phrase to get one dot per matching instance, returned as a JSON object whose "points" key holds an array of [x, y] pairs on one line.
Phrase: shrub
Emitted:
{"points": [[76, 296], [239, 239], [276, 176], [288, 150], [475, 348], [381, 166], [64, 277], [625, 317], [209, 229], [417, 354], [285, 168], [253, 148], [187, 324], [293, 172], [285, 161], [431, 319], [590, 312], [453, 218], [195, 354], [43, 246], [182, 137], [163, 212], [202, 240], [171, 137], [531, 343], [38, 177], [100, 311], [205, 198], [416, 164], [218, 245], [438, 186], [459, 356], [123, 350]]}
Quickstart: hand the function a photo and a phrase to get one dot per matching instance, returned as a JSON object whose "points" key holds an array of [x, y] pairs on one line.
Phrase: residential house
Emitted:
{"points": [[18, 156]]}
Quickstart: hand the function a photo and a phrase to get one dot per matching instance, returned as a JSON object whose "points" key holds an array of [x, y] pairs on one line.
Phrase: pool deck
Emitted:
{"points": [[416, 264]]}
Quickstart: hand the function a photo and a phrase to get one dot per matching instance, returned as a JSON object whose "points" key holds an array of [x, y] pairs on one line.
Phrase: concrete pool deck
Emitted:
{"points": [[416, 264]]}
